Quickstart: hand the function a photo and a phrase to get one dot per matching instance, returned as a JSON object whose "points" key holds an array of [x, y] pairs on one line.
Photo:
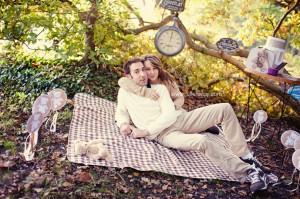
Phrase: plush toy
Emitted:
{"points": [[94, 149]]}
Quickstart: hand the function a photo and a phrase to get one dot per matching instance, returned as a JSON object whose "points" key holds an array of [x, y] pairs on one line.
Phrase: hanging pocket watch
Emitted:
{"points": [[169, 40]]}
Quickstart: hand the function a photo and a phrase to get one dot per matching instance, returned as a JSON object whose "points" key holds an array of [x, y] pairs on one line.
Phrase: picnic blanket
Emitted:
{"points": [[93, 118]]}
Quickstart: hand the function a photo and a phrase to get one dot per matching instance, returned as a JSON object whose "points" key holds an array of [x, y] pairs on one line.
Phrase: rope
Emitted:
{"points": [[255, 132], [53, 124], [29, 148], [47, 122]]}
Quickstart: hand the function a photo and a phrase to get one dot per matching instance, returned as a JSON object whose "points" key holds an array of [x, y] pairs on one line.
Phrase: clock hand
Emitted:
{"points": [[171, 35]]}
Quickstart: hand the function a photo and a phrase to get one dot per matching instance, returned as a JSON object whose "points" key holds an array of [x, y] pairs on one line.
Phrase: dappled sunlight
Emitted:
{"points": [[61, 63]]}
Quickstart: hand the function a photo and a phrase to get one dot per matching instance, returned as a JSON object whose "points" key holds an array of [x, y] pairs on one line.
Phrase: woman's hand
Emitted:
{"points": [[154, 95]]}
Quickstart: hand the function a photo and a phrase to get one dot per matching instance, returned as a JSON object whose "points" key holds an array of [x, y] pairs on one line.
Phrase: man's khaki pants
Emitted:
{"points": [[184, 135]]}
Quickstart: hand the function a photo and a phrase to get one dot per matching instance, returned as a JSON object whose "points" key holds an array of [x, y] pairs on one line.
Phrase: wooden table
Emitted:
{"points": [[280, 78]]}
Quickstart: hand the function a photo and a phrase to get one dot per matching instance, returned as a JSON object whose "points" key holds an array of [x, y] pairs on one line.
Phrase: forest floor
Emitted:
{"points": [[51, 175]]}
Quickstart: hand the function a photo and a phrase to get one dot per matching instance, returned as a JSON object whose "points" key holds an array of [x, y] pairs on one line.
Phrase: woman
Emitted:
{"points": [[156, 75]]}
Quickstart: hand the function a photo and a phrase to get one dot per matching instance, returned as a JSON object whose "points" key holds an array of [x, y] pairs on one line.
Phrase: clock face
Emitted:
{"points": [[169, 40]]}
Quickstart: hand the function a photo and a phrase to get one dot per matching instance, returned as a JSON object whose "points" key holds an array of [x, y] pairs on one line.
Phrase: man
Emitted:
{"points": [[159, 121]]}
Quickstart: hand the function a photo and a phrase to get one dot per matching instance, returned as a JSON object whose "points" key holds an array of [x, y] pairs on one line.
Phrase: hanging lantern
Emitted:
{"points": [[33, 125], [297, 143], [288, 138], [58, 98], [296, 159], [34, 122], [296, 163], [259, 117], [42, 105]]}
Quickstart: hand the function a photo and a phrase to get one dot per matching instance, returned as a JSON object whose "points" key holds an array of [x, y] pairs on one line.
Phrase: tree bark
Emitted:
{"points": [[90, 18]]}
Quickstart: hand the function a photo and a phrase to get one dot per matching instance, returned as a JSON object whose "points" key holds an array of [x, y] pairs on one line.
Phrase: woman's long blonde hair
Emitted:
{"points": [[163, 75]]}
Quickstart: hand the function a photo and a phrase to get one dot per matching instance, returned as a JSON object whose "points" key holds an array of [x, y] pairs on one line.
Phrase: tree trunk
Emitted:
{"points": [[90, 19]]}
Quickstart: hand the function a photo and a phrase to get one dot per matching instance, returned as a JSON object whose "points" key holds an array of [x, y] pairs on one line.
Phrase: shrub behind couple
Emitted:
{"points": [[155, 108]]}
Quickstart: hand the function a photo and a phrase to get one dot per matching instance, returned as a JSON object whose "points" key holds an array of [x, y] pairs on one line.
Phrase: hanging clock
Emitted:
{"points": [[169, 40]]}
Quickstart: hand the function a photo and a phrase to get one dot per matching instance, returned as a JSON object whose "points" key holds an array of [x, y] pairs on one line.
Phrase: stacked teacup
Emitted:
{"points": [[277, 47]]}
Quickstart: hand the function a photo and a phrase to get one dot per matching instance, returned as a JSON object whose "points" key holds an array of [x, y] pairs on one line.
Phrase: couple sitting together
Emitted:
{"points": [[151, 100]]}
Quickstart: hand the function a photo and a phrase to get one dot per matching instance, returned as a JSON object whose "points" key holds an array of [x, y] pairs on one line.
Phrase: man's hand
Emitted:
{"points": [[138, 133], [125, 129]]}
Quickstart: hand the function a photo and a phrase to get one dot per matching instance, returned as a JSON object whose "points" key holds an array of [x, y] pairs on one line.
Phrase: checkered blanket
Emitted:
{"points": [[93, 118]]}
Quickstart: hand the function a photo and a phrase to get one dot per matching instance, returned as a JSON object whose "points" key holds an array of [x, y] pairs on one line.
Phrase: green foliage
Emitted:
{"points": [[21, 83], [9, 145], [293, 64], [6, 123], [25, 82], [56, 30]]}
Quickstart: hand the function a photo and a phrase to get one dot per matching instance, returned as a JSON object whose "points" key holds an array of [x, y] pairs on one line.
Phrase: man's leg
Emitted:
{"points": [[214, 150], [217, 153], [202, 118]]}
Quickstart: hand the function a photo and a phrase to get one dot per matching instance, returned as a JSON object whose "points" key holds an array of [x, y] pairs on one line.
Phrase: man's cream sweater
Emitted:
{"points": [[146, 114]]}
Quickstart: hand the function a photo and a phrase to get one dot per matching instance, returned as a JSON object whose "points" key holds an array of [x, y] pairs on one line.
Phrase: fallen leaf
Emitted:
{"points": [[165, 187], [66, 184], [38, 190], [83, 177], [242, 193], [7, 164], [56, 155], [145, 179], [156, 182]]}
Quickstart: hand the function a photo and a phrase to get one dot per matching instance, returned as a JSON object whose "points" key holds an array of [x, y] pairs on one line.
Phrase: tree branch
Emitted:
{"points": [[239, 52], [284, 16], [211, 50], [267, 85], [225, 78], [202, 39], [141, 21], [271, 22], [152, 26]]}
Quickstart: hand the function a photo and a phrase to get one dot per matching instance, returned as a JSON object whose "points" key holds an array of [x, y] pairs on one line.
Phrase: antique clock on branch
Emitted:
{"points": [[170, 40]]}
